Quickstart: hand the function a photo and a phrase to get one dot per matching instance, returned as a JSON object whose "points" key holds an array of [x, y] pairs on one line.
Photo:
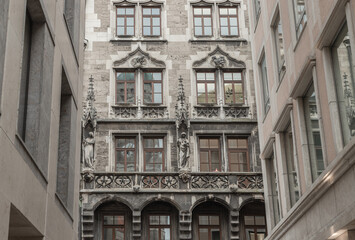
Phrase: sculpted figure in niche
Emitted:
{"points": [[184, 150], [88, 146]]}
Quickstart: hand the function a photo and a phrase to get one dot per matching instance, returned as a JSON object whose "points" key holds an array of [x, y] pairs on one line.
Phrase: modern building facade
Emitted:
{"points": [[41, 53], [303, 57], [170, 143]]}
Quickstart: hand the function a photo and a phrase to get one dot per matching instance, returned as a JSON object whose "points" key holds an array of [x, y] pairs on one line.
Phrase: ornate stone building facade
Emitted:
{"points": [[170, 144]]}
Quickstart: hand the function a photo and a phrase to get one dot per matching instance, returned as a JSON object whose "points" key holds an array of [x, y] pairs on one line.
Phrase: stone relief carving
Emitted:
{"points": [[207, 112], [155, 112], [236, 112], [90, 113], [88, 146], [214, 182], [218, 62], [139, 62], [184, 150], [125, 112]]}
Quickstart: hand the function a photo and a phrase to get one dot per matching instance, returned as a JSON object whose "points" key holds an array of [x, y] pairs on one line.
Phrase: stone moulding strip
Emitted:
{"points": [[343, 162]]}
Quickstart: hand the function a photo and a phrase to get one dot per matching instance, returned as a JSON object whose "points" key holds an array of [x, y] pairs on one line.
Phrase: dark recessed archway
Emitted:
{"points": [[253, 221]]}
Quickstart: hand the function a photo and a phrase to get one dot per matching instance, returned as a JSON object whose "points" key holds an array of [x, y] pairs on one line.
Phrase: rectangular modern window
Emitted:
{"points": [[151, 21], [210, 155], [238, 155], [206, 87], [255, 227], [154, 154], [313, 133], [125, 87], [113, 227], [125, 21], [209, 227], [274, 188], [279, 45], [264, 84], [203, 21], [126, 154], [300, 15], [153, 87], [291, 166], [233, 88], [159, 227], [345, 82], [228, 20]]}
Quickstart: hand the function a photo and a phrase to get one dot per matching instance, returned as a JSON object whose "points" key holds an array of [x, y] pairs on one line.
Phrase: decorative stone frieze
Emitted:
{"points": [[154, 112], [207, 112], [125, 112], [236, 112]]}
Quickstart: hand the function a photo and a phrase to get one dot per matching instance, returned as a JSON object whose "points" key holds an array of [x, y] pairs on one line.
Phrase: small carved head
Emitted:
{"points": [[91, 134]]}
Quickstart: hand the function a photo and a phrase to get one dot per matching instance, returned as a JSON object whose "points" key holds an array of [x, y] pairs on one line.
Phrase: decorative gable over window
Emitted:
{"points": [[139, 59]]}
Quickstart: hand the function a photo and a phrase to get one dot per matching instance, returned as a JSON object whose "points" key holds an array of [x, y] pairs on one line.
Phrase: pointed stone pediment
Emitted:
{"points": [[138, 59], [201, 2], [218, 59], [228, 3]]}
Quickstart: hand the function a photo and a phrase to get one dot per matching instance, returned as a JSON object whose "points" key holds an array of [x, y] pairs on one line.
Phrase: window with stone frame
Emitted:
{"points": [[299, 10], [125, 87], [257, 9], [279, 46], [151, 21], [238, 155], [153, 87], [125, 154], [113, 227], [209, 227], [159, 227], [125, 20], [228, 21], [255, 227], [274, 190], [202, 18], [206, 87], [233, 87], [264, 84], [343, 63], [313, 133], [154, 151], [210, 154]]}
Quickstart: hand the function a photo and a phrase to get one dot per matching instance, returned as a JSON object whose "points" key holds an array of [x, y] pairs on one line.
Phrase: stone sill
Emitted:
{"points": [[138, 40], [242, 40]]}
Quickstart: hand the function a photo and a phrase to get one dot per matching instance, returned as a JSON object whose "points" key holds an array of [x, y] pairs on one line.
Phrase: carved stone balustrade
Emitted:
{"points": [[170, 182], [155, 112], [236, 112], [225, 112], [125, 111]]}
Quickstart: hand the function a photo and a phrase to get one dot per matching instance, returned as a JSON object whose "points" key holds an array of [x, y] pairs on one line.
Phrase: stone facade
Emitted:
{"points": [[41, 57], [314, 197], [180, 185]]}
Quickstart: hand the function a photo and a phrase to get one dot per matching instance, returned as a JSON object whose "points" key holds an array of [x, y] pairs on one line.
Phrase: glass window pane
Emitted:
{"points": [[159, 143], [156, 21], [147, 93], [108, 220], [164, 220], [211, 88], [149, 157], [146, 31], [120, 31], [154, 233], [121, 76], [204, 167], [214, 143], [233, 21], [242, 143], [121, 142], [215, 234], [157, 87], [214, 220], [158, 98], [228, 93], [223, 11], [204, 143], [224, 30], [156, 31], [120, 11], [204, 157], [130, 31], [198, 21], [207, 22], [157, 76], [201, 76], [154, 220], [108, 233], [201, 88], [232, 11], [130, 21], [237, 76], [206, 11], [158, 157], [147, 11], [259, 220], [130, 76], [165, 233], [129, 11], [224, 21], [208, 31], [197, 11], [148, 76], [232, 143], [249, 220], [155, 11], [203, 220], [227, 76], [119, 220], [146, 21], [120, 21], [119, 234], [198, 31], [210, 76]]}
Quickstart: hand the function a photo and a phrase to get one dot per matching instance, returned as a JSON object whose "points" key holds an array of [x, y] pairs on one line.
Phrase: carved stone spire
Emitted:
{"points": [[181, 108], [90, 112]]}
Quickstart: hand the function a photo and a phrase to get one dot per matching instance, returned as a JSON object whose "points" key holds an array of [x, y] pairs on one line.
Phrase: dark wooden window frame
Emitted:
{"points": [[162, 150], [151, 21], [125, 151], [125, 21], [125, 86], [233, 82], [159, 226], [209, 150], [229, 25], [202, 21], [152, 84], [205, 82], [255, 227], [209, 227], [238, 150], [114, 226]]}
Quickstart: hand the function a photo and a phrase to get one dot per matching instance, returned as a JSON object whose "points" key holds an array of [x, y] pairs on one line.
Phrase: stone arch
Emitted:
{"points": [[111, 198], [252, 217], [210, 199], [250, 199], [160, 199]]}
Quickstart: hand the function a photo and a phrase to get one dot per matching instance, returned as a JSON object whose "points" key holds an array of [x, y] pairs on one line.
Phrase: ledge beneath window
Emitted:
{"points": [[140, 112], [224, 112], [236, 40], [138, 40]]}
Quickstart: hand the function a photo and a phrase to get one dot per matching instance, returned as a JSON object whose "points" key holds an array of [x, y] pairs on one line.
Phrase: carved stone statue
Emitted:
{"points": [[184, 150], [218, 62], [88, 146]]}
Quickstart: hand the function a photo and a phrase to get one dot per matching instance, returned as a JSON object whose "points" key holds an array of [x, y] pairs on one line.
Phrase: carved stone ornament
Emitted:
{"points": [[233, 187], [90, 113], [88, 175], [218, 62], [88, 151], [138, 59], [185, 175], [125, 112], [155, 112]]}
